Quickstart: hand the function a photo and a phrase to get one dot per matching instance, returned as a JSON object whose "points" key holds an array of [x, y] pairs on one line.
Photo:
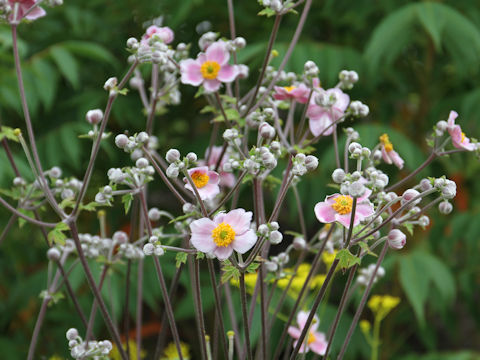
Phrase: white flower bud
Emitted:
{"points": [[266, 131], [154, 214], [239, 42], [132, 43], [449, 191], [230, 134], [354, 146], [396, 239], [408, 195], [192, 157], [141, 163], [377, 155], [142, 137], [67, 194], [274, 225], [356, 189], [445, 207], [424, 221], [299, 243], [18, 181], [172, 171], [53, 254], [72, 334], [263, 229], [120, 237], [121, 141], [311, 162], [94, 116], [148, 249], [425, 184], [275, 237], [442, 125], [172, 155], [110, 84], [159, 251], [338, 175], [271, 266]]}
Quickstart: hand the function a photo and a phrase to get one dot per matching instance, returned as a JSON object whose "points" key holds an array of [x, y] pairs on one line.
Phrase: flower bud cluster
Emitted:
{"points": [[366, 274], [310, 70], [359, 109], [358, 152], [177, 165], [86, 350], [277, 263], [377, 178], [207, 39], [95, 246], [254, 119], [270, 232], [153, 247], [66, 188], [347, 79], [134, 177], [304, 163], [275, 5], [130, 143], [271, 72]]}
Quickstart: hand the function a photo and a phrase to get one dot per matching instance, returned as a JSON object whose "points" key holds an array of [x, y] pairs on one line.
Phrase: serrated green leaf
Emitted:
{"points": [[127, 201], [229, 271], [409, 227], [181, 258], [268, 12], [200, 255], [56, 235], [346, 259], [364, 246], [253, 267]]}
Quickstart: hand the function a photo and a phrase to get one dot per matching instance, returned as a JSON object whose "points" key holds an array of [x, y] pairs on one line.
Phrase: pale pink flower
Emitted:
{"points": [[459, 140], [210, 68], [314, 340], [23, 6], [322, 118], [388, 154], [226, 178], [205, 181], [338, 207], [298, 93], [225, 233], [163, 33]]}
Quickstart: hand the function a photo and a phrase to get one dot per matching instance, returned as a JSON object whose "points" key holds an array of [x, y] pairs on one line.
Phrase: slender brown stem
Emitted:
{"points": [[243, 298]]}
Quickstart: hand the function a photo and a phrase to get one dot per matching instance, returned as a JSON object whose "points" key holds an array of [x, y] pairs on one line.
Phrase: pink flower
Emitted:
{"points": [[314, 340], [338, 207], [23, 6], [459, 140], [163, 33], [322, 117], [225, 233], [388, 154], [210, 68], [298, 93], [226, 178], [205, 181]]}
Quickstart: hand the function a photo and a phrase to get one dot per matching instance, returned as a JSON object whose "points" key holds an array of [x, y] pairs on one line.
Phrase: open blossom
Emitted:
{"points": [[210, 68], [323, 116], [339, 207], [388, 154], [298, 93], [163, 33], [23, 7], [314, 340], [205, 181], [459, 140], [226, 178], [225, 233]]}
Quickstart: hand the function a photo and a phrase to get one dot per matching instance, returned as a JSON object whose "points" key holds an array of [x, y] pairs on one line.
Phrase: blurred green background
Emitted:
{"points": [[416, 61]]}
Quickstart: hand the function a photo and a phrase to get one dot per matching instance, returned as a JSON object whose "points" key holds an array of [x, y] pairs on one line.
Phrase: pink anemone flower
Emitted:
{"points": [[314, 340], [459, 140], [321, 118], [388, 154], [298, 93], [226, 179], [210, 68], [225, 233], [23, 7], [338, 207], [163, 33], [205, 181]]}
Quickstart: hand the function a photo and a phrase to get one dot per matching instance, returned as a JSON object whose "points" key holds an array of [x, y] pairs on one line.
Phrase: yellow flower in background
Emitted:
{"points": [[381, 305], [171, 352], [328, 258], [250, 282], [365, 326], [132, 346], [299, 279], [55, 357]]}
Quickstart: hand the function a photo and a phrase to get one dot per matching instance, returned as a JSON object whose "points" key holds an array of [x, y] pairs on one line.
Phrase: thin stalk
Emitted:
{"points": [[335, 147], [230, 193], [427, 162], [7, 227], [25, 217], [197, 302], [243, 298], [93, 311], [232, 311]]}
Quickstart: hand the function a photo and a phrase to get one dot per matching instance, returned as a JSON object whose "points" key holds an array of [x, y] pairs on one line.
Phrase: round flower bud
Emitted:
{"points": [[449, 190], [424, 221], [263, 229], [442, 125], [439, 183], [445, 207], [275, 237], [154, 214], [110, 84], [283, 258], [425, 184], [338, 175], [94, 116], [72, 334], [120, 237], [159, 251], [266, 131], [55, 172], [141, 163], [299, 243], [311, 162], [396, 239], [408, 195], [192, 157], [18, 181], [121, 141], [356, 189], [153, 239], [172, 171], [274, 225], [132, 43], [53, 254], [148, 249], [72, 343], [354, 146], [172, 155], [67, 194], [142, 137], [271, 266], [239, 42]]}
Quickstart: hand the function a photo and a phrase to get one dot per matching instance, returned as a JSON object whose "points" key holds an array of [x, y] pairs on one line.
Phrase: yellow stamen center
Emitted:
{"points": [[200, 179], [223, 235], [289, 88], [343, 204], [384, 139], [210, 69], [463, 137], [311, 338]]}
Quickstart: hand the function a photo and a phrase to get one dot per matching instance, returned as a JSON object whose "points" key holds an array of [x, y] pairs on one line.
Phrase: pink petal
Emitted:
{"points": [[321, 125], [201, 237], [397, 160], [227, 73], [190, 70], [212, 85], [342, 99], [214, 178], [218, 52], [209, 191], [385, 155], [345, 219], [239, 220], [243, 243], [303, 349], [451, 118], [324, 212], [227, 179], [314, 111], [302, 318], [36, 13], [294, 332], [200, 169], [223, 253], [318, 346], [219, 218], [367, 193], [364, 210]]}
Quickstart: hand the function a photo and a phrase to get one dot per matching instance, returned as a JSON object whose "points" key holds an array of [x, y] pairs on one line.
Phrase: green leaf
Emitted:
{"points": [[90, 50], [56, 235], [253, 267], [9, 133], [365, 248], [181, 258], [229, 271], [409, 227], [22, 221], [91, 206], [440, 275], [66, 64], [347, 259], [200, 255], [268, 12], [127, 201]]}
